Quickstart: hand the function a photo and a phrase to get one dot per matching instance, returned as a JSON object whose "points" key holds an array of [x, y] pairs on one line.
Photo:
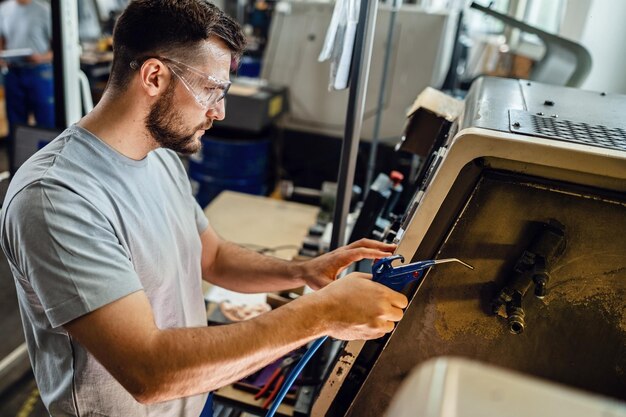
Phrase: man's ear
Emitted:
{"points": [[154, 77]]}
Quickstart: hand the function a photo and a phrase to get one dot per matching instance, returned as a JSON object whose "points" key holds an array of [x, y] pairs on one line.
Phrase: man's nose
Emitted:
{"points": [[217, 111]]}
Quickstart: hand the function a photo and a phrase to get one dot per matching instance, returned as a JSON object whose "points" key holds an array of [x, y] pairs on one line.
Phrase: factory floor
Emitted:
{"points": [[22, 398]]}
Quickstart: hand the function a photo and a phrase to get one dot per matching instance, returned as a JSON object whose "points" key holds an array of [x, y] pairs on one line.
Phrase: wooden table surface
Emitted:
{"points": [[261, 222]]}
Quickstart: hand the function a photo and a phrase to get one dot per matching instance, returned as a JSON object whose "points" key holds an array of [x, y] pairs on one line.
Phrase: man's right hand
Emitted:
{"points": [[356, 308]]}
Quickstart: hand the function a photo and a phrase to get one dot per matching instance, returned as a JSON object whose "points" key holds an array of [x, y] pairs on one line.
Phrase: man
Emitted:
{"points": [[26, 24], [108, 247]]}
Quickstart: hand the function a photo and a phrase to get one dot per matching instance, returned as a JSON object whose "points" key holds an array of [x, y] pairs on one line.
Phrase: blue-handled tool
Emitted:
{"points": [[396, 278]]}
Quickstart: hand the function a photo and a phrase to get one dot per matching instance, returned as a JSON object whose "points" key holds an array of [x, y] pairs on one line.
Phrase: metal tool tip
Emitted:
{"points": [[441, 261], [465, 264]]}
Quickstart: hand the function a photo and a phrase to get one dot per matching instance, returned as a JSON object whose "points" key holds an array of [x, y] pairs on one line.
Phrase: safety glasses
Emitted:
{"points": [[205, 89]]}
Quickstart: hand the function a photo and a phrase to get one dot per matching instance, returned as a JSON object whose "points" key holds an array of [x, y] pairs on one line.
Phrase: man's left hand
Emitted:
{"points": [[324, 269]]}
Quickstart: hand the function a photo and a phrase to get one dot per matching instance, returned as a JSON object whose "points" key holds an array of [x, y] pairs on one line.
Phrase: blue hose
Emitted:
{"points": [[293, 375]]}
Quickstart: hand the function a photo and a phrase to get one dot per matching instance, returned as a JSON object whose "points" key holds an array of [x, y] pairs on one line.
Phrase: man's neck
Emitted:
{"points": [[118, 122]]}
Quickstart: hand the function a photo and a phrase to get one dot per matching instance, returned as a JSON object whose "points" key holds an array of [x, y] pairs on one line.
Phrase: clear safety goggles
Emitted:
{"points": [[205, 89]]}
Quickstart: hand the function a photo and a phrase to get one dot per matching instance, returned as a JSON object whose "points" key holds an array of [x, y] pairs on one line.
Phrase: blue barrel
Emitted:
{"points": [[249, 67], [229, 164]]}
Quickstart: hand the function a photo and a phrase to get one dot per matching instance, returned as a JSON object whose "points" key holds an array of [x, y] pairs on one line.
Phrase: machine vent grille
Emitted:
{"points": [[553, 127]]}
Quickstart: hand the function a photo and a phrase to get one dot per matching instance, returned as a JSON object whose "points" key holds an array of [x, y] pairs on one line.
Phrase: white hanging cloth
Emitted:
{"points": [[339, 42]]}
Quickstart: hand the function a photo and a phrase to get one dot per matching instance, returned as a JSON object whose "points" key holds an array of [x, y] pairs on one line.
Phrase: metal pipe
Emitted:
{"points": [[371, 166], [359, 73], [57, 65], [516, 314], [66, 62]]}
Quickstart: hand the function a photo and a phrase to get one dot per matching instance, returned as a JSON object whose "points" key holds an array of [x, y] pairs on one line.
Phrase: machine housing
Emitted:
{"points": [[530, 189]]}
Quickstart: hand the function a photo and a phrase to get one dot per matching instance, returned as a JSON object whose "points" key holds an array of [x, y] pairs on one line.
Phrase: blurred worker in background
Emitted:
{"points": [[29, 88], [108, 247]]}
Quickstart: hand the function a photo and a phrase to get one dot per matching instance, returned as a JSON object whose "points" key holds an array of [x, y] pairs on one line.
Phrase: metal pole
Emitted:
{"points": [[371, 166], [66, 62], [57, 65], [359, 73]]}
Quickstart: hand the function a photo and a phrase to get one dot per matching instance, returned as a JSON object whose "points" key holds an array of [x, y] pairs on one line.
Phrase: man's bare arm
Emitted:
{"points": [[160, 364], [236, 268]]}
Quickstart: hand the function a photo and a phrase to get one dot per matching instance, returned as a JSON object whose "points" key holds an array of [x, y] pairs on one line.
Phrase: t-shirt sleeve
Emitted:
{"points": [[67, 250]]}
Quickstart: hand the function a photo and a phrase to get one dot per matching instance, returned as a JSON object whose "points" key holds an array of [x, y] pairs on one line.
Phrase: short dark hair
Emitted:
{"points": [[170, 28]]}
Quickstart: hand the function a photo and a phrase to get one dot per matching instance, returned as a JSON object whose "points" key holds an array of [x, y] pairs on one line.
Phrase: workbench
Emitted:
{"points": [[261, 222]]}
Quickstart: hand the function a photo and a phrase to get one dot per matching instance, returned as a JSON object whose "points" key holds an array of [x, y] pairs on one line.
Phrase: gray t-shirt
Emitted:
{"points": [[26, 26], [83, 226]]}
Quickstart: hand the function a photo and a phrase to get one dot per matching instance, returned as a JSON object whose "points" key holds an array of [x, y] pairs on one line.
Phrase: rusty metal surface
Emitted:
{"points": [[576, 335]]}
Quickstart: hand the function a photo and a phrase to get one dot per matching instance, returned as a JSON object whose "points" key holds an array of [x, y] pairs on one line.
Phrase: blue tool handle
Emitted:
{"points": [[397, 278], [398, 283]]}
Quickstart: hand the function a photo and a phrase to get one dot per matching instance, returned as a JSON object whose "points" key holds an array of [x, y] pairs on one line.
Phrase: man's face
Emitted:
{"points": [[169, 127], [176, 121]]}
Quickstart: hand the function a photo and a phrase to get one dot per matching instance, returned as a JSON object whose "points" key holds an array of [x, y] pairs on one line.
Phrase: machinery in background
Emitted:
{"points": [[564, 62], [378, 216], [96, 18], [529, 187], [374, 217], [377, 212], [421, 53], [253, 105]]}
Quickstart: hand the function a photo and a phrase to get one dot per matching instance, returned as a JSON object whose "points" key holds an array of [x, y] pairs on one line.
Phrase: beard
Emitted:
{"points": [[165, 124]]}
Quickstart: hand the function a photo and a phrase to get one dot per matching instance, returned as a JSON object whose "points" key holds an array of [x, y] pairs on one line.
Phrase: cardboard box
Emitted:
{"points": [[428, 121]]}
